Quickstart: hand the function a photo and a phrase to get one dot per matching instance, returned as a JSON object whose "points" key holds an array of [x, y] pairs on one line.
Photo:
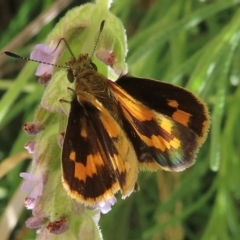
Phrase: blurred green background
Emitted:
{"points": [[190, 43]]}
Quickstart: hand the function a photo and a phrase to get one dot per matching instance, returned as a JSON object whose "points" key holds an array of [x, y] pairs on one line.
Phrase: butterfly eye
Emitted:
{"points": [[70, 76], [94, 66]]}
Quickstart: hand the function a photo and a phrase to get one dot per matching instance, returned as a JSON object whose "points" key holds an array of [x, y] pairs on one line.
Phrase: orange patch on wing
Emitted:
{"points": [[137, 109], [82, 172], [83, 133], [173, 103], [175, 143], [160, 143], [110, 126], [72, 156], [155, 141], [181, 117], [166, 125]]}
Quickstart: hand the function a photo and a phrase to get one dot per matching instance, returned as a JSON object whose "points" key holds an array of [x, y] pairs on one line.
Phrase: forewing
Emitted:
{"points": [[179, 104], [97, 158], [157, 137]]}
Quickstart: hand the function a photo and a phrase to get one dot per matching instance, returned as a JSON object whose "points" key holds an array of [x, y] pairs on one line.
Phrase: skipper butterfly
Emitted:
{"points": [[116, 128]]}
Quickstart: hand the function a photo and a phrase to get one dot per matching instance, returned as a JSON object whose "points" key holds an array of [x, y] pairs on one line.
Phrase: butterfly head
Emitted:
{"points": [[80, 67]]}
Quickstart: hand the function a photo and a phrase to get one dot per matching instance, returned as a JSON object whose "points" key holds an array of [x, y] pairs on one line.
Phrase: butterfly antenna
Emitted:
{"points": [[29, 59], [66, 44], [99, 33], [61, 39]]}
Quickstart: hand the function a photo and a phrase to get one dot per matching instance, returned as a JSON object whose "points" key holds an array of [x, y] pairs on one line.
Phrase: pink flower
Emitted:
{"points": [[34, 222], [32, 128], [29, 146], [29, 203], [34, 185], [106, 206], [45, 54], [107, 57]]}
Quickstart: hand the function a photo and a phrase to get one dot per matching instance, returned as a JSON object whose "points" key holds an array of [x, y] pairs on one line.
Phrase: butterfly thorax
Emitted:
{"points": [[81, 67], [89, 83]]}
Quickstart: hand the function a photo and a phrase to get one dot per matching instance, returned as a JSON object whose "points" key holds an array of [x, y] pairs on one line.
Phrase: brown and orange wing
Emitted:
{"points": [[166, 124], [97, 158]]}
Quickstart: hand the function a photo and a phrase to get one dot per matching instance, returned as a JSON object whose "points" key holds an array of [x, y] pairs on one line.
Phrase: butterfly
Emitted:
{"points": [[117, 128]]}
